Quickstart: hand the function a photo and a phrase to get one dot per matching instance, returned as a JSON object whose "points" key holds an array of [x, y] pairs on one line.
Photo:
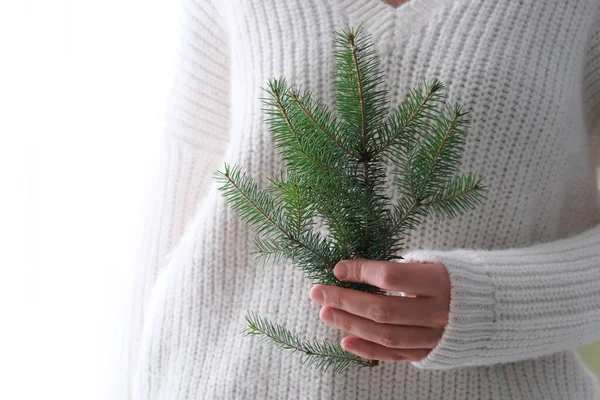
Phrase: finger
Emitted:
{"points": [[374, 351], [393, 336], [426, 279], [416, 311]]}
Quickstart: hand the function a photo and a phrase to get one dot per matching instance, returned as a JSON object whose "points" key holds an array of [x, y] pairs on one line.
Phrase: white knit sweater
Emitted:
{"points": [[524, 266]]}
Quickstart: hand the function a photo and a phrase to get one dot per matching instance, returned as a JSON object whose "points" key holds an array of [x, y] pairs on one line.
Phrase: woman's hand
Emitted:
{"points": [[393, 328]]}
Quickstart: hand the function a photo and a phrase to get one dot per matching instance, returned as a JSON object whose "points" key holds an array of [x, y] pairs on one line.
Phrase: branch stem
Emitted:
{"points": [[363, 112]]}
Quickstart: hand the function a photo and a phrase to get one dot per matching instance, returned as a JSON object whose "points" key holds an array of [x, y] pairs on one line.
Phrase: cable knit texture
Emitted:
{"points": [[524, 267]]}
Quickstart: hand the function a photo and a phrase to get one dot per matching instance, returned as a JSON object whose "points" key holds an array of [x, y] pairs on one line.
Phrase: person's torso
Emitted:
{"points": [[516, 65]]}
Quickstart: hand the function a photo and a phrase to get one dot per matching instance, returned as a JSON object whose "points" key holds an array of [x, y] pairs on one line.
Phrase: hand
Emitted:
{"points": [[392, 328]]}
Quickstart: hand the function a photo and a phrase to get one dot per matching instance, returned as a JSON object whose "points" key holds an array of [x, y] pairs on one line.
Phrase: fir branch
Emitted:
{"points": [[321, 118], [252, 204], [361, 103], [337, 171], [457, 196], [405, 216], [258, 209], [409, 116], [361, 90], [288, 137], [440, 148], [323, 356], [338, 218], [440, 154], [269, 251], [362, 106], [299, 207], [405, 179], [294, 202]]}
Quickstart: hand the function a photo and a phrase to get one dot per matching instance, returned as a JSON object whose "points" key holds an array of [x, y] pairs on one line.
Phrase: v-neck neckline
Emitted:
{"points": [[395, 9], [384, 20], [381, 6]]}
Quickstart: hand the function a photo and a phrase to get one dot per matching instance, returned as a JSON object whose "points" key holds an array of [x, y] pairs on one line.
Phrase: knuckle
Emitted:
{"points": [[358, 271], [333, 300], [388, 339], [379, 313], [345, 324], [398, 356], [386, 276]]}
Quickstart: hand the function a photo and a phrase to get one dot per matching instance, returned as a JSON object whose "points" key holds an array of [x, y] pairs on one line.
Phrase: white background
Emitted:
{"points": [[82, 88]]}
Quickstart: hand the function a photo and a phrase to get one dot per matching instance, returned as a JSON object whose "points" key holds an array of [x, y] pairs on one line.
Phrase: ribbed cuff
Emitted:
{"points": [[471, 322]]}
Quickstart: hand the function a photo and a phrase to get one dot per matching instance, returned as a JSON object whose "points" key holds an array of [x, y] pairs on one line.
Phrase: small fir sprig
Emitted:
{"points": [[322, 355], [336, 170]]}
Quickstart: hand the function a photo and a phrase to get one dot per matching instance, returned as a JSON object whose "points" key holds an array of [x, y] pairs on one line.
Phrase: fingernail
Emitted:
{"points": [[317, 296], [341, 271], [327, 316]]}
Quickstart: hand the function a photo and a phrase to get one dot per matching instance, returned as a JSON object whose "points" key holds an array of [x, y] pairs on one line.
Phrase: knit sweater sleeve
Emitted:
{"points": [[193, 143], [591, 86], [514, 304]]}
